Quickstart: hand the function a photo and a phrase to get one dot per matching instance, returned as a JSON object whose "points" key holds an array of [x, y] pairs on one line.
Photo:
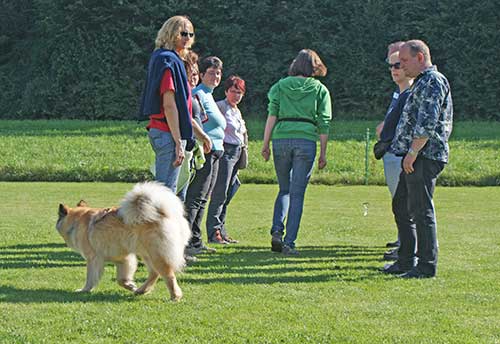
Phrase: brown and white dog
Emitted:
{"points": [[149, 223]]}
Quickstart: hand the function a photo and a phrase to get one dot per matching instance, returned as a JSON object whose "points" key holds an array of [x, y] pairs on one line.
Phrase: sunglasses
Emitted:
{"points": [[185, 34], [396, 65]]}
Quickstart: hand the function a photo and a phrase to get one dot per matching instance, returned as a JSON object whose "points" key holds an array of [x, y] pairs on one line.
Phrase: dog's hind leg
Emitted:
{"points": [[173, 287], [125, 271], [95, 268], [168, 273], [148, 286]]}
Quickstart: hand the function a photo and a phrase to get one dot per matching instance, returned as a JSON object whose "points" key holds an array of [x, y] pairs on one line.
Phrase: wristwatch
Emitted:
{"points": [[412, 152]]}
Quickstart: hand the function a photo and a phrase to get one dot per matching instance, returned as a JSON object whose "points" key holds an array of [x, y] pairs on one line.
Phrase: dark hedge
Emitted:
{"points": [[86, 59]]}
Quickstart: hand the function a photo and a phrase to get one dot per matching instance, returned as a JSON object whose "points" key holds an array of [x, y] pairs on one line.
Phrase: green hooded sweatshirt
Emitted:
{"points": [[298, 97]]}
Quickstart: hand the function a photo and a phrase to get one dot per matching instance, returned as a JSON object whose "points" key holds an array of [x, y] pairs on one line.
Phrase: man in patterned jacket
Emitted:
{"points": [[422, 139]]}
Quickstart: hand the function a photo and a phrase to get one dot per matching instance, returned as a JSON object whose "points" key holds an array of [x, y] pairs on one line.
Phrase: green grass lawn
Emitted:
{"points": [[119, 151], [331, 293]]}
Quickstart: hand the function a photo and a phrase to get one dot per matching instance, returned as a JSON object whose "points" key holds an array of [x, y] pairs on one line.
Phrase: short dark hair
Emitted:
{"points": [[210, 62], [307, 63], [417, 46], [236, 81]]}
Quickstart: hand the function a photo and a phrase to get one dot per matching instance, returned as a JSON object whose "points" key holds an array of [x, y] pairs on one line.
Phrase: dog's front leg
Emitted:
{"points": [[95, 268]]}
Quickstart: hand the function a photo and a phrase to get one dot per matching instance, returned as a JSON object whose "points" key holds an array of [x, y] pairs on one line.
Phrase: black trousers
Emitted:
{"points": [[198, 193], [413, 209]]}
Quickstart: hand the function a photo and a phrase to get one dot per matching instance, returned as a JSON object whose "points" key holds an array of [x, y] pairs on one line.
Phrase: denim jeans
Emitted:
{"points": [[293, 162], [198, 193], [219, 194], [413, 209], [234, 185], [392, 170], [164, 148]]}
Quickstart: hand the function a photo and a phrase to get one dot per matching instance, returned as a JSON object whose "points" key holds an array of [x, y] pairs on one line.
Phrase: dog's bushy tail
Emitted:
{"points": [[154, 203], [149, 202]]}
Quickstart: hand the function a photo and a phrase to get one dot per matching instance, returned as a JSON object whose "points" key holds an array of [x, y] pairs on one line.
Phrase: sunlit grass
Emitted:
{"points": [[120, 151], [331, 293]]}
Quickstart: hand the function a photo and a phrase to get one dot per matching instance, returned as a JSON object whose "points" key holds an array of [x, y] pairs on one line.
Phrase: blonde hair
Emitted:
{"points": [[307, 63], [170, 31]]}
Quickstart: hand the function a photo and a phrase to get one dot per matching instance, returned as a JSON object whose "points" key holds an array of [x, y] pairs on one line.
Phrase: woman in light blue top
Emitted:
{"points": [[214, 124]]}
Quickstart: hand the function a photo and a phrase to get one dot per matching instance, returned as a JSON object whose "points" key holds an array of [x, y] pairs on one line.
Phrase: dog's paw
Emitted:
{"points": [[83, 290], [176, 297], [141, 291], [127, 284], [130, 286]]}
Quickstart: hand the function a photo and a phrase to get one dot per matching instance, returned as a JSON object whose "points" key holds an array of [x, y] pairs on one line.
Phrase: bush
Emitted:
{"points": [[86, 59]]}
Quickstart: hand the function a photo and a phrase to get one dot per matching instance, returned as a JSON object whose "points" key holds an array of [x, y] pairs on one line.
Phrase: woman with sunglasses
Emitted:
{"points": [[299, 110], [167, 99], [386, 130]]}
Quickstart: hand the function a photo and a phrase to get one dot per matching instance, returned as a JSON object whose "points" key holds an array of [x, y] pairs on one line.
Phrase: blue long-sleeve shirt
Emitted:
{"points": [[216, 123]]}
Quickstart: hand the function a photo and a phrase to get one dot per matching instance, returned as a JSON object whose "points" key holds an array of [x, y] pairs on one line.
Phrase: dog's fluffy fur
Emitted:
{"points": [[149, 223]]}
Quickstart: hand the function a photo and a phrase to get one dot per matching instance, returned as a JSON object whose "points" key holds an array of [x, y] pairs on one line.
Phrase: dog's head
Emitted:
{"points": [[65, 221]]}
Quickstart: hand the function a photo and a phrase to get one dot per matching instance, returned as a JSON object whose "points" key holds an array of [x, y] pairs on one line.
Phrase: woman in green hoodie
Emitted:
{"points": [[300, 111]]}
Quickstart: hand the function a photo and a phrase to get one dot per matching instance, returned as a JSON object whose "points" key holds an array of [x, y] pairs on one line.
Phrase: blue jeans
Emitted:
{"points": [[293, 162], [164, 148], [413, 209], [215, 215], [392, 170]]}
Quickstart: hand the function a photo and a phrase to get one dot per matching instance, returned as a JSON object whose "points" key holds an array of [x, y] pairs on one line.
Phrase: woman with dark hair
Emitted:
{"points": [[214, 124], [191, 64], [235, 140], [299, 111]]}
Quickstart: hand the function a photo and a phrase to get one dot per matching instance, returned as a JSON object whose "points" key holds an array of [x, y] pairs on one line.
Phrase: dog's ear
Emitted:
{"points": [[82, 203], [63, 210]]}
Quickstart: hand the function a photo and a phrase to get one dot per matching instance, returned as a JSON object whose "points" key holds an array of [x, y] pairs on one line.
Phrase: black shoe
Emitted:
{"points": [[289, 251], [391, 254], [192, 251], [414, 273], [230, 240], [392, 244], [276, 242], [394, 269]]}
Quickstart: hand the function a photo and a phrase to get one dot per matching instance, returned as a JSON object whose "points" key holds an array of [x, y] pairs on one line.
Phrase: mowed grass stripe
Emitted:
{"points": [[120, 151], [245, 293]]}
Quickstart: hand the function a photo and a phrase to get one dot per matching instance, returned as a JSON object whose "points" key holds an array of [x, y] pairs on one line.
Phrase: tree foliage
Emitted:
{"points": [[87, 58]]}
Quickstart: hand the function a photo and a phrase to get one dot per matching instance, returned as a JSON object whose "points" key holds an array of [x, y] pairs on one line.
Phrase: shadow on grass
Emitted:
{"points": [[16, 295], [258, 265], [231, 265], [28, 256]]}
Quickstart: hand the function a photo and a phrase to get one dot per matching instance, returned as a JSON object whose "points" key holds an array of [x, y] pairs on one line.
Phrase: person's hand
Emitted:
{"points": [[266, 152], [322, 162], [408, 163], [207, 144], [179, 154]]}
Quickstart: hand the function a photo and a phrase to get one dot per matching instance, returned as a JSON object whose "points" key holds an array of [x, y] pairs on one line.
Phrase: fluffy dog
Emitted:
{"points": [[149, 223]]}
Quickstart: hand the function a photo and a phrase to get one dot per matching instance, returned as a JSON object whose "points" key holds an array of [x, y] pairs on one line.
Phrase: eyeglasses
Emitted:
{"points": [[396, 65], [185, 34]]}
